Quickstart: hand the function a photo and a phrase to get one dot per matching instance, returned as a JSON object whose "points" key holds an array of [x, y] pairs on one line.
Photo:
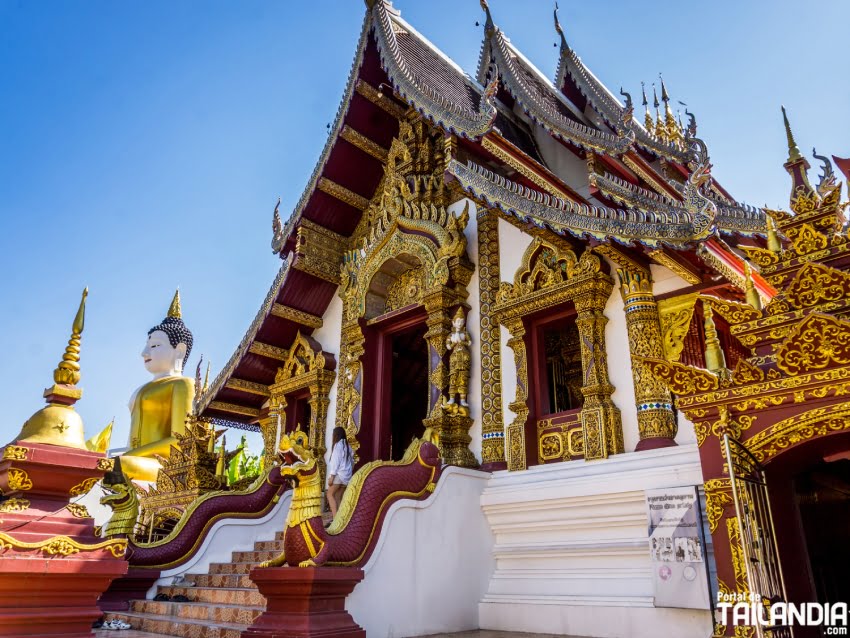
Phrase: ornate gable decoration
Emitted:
{"points": [[304, 357], [408, 216], [819, 342], [812, 286], [681, 379]]}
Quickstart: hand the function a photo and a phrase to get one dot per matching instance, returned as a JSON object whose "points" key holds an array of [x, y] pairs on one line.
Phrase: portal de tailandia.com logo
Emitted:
{"points": [[751, 609]]}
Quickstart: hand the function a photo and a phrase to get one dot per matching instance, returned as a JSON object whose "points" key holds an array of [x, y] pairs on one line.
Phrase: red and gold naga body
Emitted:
{"points": [[352, 535]]}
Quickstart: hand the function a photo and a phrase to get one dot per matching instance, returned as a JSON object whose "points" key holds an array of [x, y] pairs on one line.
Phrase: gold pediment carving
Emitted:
{"points": [[819, 341]]}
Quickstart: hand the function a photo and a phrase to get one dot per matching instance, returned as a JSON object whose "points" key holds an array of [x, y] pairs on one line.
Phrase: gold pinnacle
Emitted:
{"points": [[68, 370], [773, 243], [793, 152], [752, 294], [174, 308]]}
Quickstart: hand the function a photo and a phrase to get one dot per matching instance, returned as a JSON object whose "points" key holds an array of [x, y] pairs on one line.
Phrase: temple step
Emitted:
{"points": [[181, 627], [222, 603], [223, 580], [255, 557], [211, 613], [217, 595], [232, 568]]}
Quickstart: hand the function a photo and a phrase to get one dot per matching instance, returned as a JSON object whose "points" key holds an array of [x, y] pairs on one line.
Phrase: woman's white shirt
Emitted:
{"points": [[340, 466]]}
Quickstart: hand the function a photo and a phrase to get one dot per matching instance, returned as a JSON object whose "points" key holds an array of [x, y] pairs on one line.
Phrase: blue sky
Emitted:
{"points": [[143, 145]]}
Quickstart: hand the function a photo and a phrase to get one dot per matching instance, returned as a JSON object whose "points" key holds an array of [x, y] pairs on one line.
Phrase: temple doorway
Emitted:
{"points": [[409, 388], [396, 387], [823, 497]]}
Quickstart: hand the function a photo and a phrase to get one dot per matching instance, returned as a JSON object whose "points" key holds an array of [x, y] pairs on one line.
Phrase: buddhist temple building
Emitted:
{"points": [[635, 382]]}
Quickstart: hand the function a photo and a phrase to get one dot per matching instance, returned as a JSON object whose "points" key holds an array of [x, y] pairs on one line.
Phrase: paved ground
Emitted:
{"points": [[481, 633]]}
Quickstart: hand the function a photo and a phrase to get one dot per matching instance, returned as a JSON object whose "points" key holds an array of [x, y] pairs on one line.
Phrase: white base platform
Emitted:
{"points": [[572, 550]]}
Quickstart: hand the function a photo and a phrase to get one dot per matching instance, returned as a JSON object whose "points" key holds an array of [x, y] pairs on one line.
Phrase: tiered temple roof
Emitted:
{"points": [[647, 197]]}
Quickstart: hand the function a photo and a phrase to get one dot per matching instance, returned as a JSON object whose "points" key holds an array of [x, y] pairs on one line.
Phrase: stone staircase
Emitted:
{"points": [[222, 603]]}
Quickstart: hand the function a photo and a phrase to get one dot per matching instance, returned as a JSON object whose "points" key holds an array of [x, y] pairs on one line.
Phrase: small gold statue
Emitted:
{"points": [[458, 343], [159, 408]]}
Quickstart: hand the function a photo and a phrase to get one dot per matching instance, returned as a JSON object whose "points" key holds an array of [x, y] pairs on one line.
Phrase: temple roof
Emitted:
{"points": [[395, 69]]}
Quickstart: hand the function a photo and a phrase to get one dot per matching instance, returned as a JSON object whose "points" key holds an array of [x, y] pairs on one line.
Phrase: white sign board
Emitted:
{"points": [[676, 549]]}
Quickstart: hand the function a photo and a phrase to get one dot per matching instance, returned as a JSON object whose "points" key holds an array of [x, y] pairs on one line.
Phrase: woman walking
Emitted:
{"points": [[340, 468]]}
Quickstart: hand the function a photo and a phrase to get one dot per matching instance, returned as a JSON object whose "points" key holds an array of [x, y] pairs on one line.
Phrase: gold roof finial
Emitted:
{"points": [[673, 130], [715, 360], [793, 152], [773, 243], [664, 96], [647, 117], [68, 370], [750, 291], [174, 308], [206, 379], [660, 128]]}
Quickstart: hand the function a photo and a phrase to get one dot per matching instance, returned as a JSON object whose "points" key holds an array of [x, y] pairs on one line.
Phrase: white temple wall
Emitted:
{"points": [[620, 363], [473, 326], [512, 245], [665, 281], [329, 337], [572, 552], [431, 565]]}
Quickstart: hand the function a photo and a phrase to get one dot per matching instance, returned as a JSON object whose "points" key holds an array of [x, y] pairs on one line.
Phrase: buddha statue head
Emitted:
{"points": [[169, 344]]}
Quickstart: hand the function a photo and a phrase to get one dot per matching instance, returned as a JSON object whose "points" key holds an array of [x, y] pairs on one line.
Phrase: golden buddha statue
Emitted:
{"points": [[158, 409]]}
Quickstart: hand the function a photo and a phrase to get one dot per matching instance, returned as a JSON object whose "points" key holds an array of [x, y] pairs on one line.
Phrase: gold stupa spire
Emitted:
{"points": [[674, 132], [793, 152], [58, 423], [68, 370], [174, 308]]}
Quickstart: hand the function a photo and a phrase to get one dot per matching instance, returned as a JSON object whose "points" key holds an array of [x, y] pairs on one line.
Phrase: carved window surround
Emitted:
{"points": [[546, 278]]}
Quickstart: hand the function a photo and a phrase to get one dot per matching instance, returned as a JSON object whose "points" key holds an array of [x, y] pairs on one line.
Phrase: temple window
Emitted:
{"points": [[563, 368]]}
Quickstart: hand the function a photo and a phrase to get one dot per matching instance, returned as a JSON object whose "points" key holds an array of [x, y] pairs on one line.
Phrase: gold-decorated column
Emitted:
{"points": [[600, 418], [492, 427], [656, 420]]}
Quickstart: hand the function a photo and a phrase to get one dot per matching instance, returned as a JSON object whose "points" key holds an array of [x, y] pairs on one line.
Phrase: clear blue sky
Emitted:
{"points": [[143, 145]]}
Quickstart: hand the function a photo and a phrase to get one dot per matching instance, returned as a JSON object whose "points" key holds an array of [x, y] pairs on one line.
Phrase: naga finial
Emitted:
{"points": [[489, 25], [68, 370], [827, 179], [793, 152], [558, 29], [277, 229], [628, 97], [691, 131]]}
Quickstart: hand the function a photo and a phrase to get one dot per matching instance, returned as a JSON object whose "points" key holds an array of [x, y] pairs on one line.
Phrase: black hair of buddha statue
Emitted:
{"points": [[177, 333]]}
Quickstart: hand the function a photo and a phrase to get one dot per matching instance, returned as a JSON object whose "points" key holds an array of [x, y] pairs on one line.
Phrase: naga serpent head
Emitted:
{"points": [[294, 455], [119, 490], [116, 495]]}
